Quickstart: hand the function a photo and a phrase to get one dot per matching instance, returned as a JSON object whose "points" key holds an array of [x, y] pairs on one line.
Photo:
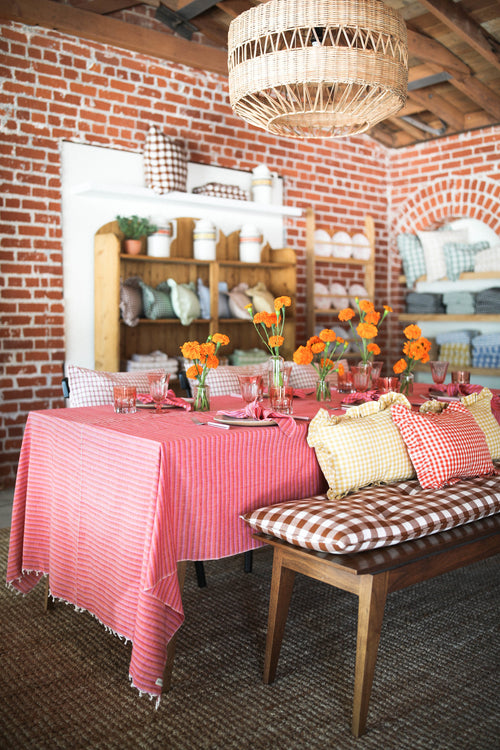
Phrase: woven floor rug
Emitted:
{"points": [[63, 678]]}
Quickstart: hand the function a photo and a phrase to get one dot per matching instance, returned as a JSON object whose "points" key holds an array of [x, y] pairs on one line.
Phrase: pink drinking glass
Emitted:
{"points": [[438, 371], [158, 388]]}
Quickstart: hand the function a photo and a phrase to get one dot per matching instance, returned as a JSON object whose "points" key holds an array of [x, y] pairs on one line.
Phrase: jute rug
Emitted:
{"points": [[64, 684]]}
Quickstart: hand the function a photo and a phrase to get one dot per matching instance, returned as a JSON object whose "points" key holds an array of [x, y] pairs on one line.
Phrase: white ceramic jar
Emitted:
{"points": [[250, 243], [262, 184], [159, 242], [204, 240]]}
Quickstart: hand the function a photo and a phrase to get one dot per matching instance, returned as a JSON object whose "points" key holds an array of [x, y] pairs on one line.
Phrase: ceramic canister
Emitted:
{"points": [[159, 242], [262, 184], [204, 240], [250, 243]]}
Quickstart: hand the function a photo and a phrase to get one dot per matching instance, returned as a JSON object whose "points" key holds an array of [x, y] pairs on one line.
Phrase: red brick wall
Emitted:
{"points": [[56, 88]]}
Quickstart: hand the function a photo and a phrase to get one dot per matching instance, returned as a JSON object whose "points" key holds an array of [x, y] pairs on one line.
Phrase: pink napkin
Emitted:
{"points": [[455, 389], [171, 399], [361, 396], [302, 392], [255, 410]]}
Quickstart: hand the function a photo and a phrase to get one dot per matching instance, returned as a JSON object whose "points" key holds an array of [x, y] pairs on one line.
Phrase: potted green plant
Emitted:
{"points": [[134, 228]]}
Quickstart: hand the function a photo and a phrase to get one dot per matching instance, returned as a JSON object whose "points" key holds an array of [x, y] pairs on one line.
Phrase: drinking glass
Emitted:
{"points": [[250, 387], [438, 371], [460, 377], [124, 399], [281, 398], [158, 388]]}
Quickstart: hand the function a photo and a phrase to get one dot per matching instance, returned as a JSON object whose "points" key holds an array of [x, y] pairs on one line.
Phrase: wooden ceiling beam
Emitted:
{"points": [[433, 51], [439, 106], [80, 23], [109, 6], [479, 93], [453, 15]]}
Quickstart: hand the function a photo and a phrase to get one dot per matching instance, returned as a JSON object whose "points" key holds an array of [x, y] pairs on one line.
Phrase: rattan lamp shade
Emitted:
{"points": [[317, 68]]}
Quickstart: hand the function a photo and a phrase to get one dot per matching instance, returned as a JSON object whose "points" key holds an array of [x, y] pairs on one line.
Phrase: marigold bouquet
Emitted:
{"points": [[270, 326], [319, 351], [416, 349], [205, 358], [367, 328]]}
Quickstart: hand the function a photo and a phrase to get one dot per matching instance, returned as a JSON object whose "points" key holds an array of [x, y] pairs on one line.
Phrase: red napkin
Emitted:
{"points": [[361, 396], [171, 399], [255, 410]]}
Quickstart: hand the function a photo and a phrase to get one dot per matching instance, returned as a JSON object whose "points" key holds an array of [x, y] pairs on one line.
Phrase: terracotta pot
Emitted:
{"points": [[132, 247]]}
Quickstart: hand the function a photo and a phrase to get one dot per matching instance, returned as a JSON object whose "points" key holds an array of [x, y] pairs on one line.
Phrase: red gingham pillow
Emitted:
{"points": [[444, 447], [94, 388]]}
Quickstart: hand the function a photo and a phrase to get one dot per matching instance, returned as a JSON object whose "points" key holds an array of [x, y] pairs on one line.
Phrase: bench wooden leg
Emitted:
{"points": [[281, 594], [48, 603], [167, 672], [372, 596]]}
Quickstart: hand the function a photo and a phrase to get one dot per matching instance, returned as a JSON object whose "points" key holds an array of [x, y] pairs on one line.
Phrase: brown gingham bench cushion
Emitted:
{"points": [[377, 516]]}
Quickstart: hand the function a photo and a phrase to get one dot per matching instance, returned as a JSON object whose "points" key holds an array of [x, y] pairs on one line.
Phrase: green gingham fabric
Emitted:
{"points": [[157, 302], [460, 257], [412, 256]]}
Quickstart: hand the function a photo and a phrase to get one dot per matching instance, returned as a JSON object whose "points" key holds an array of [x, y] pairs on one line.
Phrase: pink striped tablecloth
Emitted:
{"points": [[106, 504]]}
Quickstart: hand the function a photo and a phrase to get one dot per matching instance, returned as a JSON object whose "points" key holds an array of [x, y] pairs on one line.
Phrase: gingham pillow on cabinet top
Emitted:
{"points": [[165, 163]]}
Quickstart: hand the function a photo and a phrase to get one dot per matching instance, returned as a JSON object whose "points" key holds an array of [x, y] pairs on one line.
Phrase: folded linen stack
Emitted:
{"points": [[488, 301], [157, 359], [248, 357], [424, 303], [486, 350], [454, 347], [459, 303]]}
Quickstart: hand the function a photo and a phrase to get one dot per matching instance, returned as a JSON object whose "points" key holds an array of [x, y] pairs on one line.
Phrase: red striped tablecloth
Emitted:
{"points": [[106, 504]]}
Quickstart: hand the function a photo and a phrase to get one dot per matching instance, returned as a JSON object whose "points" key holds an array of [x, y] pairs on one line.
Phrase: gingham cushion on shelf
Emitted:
{"points": [[460, 257], [412, 256], [94, 388], [377, 516], [363, 447], [444, 448], [433, 242], [219, 190], [165, 163], [457, 355]]}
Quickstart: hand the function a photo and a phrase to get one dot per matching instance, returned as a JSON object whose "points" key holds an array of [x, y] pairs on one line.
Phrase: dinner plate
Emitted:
{"points": [[361, 247], [151, 405], [342, 245], [245, 421]]}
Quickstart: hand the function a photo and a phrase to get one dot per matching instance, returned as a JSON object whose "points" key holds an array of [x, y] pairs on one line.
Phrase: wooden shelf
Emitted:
{"points": [[449, 318], [466, 276], [333, 260]]}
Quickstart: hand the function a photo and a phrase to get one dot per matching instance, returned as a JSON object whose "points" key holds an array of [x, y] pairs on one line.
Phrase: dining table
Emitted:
{"points": [[107, 505]]}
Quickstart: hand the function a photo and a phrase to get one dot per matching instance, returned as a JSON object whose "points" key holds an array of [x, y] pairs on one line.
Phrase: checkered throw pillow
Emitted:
{"points": [[433, 243], [479, 405], [165, 163], [412, 256], [94, 388], [460, 257], [377, 516], [445, 447], [157, 302]]}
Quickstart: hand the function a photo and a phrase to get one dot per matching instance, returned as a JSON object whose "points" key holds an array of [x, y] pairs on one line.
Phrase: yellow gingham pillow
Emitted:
{"points": [[479, 405], [363, 447]]}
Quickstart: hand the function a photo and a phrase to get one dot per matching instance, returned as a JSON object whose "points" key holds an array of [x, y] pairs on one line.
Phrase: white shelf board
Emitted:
{"points": [[93, 190]]}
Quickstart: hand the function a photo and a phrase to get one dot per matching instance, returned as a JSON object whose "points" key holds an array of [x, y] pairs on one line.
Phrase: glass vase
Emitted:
{"points": [[276, 372], [361, 374], [323, 392], [201, 397], [406, 383]]}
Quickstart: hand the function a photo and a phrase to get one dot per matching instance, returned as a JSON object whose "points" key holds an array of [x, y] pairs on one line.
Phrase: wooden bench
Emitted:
{"points": [[371, 575]]}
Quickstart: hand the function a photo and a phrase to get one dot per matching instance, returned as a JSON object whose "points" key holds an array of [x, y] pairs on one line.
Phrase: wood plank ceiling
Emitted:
{"points": [[454, 48]]}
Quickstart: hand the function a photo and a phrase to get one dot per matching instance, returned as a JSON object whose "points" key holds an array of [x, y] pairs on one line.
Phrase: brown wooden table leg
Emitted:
{"points": [[48, 602], [281, 594], [167, 672], [372, 597]]}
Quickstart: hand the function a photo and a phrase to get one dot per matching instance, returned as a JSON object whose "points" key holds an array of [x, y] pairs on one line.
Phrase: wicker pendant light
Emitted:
{"points": [[317, 68]]}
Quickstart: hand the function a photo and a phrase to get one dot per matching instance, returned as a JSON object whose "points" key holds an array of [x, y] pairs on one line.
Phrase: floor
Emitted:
{"points": [[6, 497]]}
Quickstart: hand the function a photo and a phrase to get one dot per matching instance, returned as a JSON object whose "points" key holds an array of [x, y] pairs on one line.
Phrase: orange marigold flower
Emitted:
{"points": [[260, 317], [220, 338], [303, 356], [283, 301], [327, 335], [412, 332], [271, 319], [212, 361], [340, 370], [372, 317], [366, 330], [388, 309], [340, 340], [318, 347], [366, 306], [275, 341], [346, 314], [373, 348], [400, 366], [191, 350], [328, 363], [313, 340], [426, 344], [207, 348], [193, 371]]}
